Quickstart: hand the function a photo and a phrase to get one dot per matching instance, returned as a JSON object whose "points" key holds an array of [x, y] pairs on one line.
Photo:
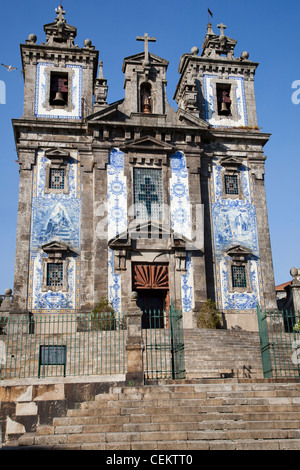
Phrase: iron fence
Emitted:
{"points": [[279, 332], [53, 345], [57, 345]]}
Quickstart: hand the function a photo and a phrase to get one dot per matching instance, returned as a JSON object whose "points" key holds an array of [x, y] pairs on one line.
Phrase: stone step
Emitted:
{"points": [[242, 424], [74, 435], [242, 444], [224, 414]]}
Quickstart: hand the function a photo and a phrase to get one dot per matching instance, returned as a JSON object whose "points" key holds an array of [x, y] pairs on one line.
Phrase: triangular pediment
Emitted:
{"points": [[110, 112], [188, 118], [238, 251], [55, 246], [139, 229], [148, 230], [57, 153], [147, 143], [53, 27], [138, 59], [230, 161], [221, 40]]}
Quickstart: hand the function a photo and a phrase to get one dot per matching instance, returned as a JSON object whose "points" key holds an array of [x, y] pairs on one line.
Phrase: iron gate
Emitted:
{"points": [[164, 345], [279, 332]]}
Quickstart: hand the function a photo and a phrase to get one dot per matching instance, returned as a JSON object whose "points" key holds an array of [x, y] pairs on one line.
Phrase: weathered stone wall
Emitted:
{"points": [[25, 404]]}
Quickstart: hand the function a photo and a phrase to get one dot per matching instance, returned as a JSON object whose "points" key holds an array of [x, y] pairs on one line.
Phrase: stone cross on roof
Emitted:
{"points": [[60, 19], [221, 26], [146, 39]]}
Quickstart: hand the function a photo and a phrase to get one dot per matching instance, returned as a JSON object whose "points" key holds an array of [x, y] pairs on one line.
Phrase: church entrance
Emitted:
{"points": [[151, 281]]}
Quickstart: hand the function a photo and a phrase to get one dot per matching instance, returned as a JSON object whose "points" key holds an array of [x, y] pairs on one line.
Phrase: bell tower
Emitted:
{"points": [[218, 87], [59, 76], [223, 84], [145, 81], [52, 146]]}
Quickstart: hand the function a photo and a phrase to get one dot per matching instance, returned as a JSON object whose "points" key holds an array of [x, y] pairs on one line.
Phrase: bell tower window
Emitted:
{"points": [[146, 102], [223, 99], [58, 89]]}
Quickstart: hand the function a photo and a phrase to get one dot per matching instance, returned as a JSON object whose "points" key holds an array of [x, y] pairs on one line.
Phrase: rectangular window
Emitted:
{"points": [[231, 184], [54, 274], [57, 178], [58, 89], [148, 194], [239, 276]]}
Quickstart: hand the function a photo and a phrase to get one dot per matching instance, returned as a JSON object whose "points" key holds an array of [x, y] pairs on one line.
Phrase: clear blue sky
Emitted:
{"points": [[267, 29]]}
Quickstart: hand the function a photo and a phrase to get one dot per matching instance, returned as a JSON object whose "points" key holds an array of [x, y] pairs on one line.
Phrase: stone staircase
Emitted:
{"points": [[219, 414], [222, 353]]}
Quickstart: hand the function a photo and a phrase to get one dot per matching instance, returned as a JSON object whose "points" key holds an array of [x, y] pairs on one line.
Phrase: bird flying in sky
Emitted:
{"points": [[9, 67]]}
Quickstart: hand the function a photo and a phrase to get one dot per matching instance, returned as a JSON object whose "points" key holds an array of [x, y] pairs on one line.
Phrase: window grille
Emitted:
{"points": [[239, 276], [54, 274], [148, 194], [57, 178], [231, 184]]}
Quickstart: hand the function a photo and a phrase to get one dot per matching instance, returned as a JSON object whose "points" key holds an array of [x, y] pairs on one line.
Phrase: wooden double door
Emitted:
{"points": [[151, 281]]}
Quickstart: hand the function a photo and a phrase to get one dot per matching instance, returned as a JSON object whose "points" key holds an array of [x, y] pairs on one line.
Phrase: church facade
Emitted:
{"points": [[135, 195]]}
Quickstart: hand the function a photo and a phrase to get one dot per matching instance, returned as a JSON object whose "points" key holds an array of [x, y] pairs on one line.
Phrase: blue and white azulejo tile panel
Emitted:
{"points": [[55, 217], [116, 195], [180, 210], [234, 223], [116, 218], [187, 286], [42, 109], [179, 196], [242, 302], [114, 283]]}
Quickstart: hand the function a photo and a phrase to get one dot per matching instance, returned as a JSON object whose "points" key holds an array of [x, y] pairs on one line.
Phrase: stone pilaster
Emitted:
{"points": [[198, 259], [27, 160], [87, 232], [264, 236], [100, 256], [295, 287], [134, 344]]}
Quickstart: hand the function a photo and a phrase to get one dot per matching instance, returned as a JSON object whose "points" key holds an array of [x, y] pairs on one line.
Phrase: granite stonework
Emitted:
{"points": [[184, 219]]}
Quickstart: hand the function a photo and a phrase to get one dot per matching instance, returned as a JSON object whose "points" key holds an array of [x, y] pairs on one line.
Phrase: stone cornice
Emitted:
{"points": [[32, 53], [240, 133]]}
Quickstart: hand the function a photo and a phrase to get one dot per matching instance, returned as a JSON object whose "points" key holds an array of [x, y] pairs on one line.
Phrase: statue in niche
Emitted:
{"points": [[146, 98]]}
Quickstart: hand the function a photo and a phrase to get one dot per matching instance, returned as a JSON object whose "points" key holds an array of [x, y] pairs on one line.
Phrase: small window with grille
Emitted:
{"points": [[54, 274], [57, 178], [231, 184], [238, 276]]}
